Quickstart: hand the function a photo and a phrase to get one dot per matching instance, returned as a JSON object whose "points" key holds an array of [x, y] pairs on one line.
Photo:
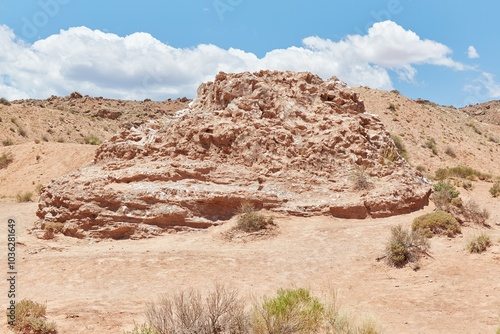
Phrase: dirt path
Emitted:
{"points": [[103, 287]]}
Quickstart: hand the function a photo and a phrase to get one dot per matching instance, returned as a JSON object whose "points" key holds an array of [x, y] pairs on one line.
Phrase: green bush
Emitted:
{"points": [[5, 160], [92, 140], [252, 221], [405, 246], [436, 223], [443, 194], [291, 311], [30, 318], [495, 189], [479, 244]]}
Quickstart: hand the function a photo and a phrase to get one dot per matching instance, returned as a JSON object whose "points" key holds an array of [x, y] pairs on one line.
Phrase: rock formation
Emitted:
{"points": [[286, 142]]}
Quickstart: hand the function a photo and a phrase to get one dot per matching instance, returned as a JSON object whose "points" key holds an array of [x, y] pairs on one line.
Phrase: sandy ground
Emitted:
{"points": [[103, 287]]}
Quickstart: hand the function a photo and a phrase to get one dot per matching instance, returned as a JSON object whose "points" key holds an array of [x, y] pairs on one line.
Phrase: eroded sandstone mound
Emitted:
{"points": [[287, 142]]}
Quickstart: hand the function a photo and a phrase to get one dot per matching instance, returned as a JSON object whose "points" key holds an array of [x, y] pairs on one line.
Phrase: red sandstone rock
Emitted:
{"points": [[288, 142]]}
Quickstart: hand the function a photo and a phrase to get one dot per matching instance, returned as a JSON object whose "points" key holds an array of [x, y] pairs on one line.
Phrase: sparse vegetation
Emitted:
{"points": [[474, 214], [389, 154], [393, 107], [5, 160], [495, 189], [436, 223], [252, 221], [7, 142], [431, 144], [92, 140], [462, 172], [405, 246], [222, 311], [479, 244], [449, 151], [395, 91], [142, 329], [24, 197], [30, 319], [4, 101], [475, 128], [443, 194], [359, 178], [291, 311], [400, 146], [22, 132]]}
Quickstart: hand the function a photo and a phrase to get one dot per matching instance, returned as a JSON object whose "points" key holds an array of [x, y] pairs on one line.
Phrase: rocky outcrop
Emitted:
{"points": [[287, 142]]}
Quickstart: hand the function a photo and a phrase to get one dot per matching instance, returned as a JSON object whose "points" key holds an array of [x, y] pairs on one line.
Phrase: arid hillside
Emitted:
{"points": [[436, 136]]}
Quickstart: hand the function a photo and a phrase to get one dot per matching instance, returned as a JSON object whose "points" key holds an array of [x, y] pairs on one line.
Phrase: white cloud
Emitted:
{"points": [[472, 52], [482, 89], [139, 66]]}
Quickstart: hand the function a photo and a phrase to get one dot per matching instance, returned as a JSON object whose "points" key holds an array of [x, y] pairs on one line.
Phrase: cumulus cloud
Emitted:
{"points": [[139, 66], [472, 52]]}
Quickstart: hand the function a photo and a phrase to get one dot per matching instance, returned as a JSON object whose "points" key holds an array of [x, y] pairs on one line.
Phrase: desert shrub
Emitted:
{"points": [[251, 221], [479, 243], [431, 144], [395, 91], [463, 172], [291, 311], [405, 246], [22, 132], [30, 318], [449, 151], [398, 142], [474, 214], [142, 329], [475, 128], [443, 194], [4, 101], [7, 142], [389, 154], [5, 160], [187, 312], [436, 223], [359, 178], [495, 189], [24, 197], [393, 107], [420, 168], [92, 140]]}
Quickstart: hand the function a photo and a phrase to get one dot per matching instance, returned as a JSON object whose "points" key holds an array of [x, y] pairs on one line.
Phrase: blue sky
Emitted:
{"points": [[444, 51]]}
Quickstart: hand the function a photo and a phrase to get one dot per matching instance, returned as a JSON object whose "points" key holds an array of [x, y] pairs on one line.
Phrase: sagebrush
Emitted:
{"points": [[405, 246], [437, 223]]}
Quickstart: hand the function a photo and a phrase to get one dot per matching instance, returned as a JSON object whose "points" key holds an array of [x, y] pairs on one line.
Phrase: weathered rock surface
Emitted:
{"points": [[287, 142]]}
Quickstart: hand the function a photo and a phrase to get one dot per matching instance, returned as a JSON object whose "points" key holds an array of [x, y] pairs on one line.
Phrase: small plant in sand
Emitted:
{"points": [[5, 160], [359, 178], [474, 214], [479, 243], [405, 246], [495, 189], [30, 318], [24, 197], [251, 221]]}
